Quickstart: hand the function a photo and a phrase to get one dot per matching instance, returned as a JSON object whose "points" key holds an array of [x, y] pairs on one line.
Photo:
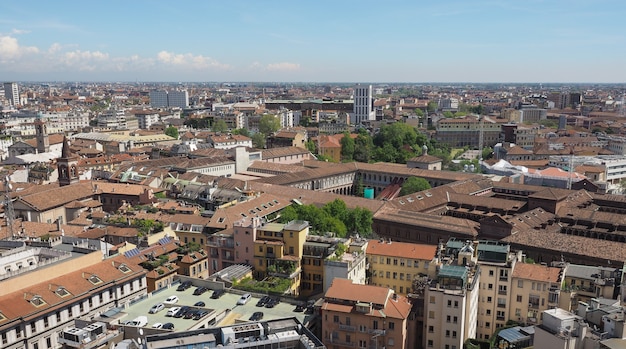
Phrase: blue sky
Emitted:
{"points": [[314, 41]]}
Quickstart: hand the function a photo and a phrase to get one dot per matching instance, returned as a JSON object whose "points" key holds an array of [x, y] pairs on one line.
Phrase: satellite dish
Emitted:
{"points": [[140, 333]]}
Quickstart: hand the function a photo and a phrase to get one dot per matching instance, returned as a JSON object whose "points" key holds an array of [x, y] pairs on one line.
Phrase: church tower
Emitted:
{"points": [[67, 165], [41, 130]]}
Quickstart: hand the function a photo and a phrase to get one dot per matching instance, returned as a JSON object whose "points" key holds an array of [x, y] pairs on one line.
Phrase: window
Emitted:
{"points": [[375, 324], [336, 318], [46, 323], [431, 314], [392, 325], [431, 329], [520, 283], [519, 298], [490, 272], [453, 334], [430, 343], [449, 303], [487, 324], [33, 327], [455, 319], [456, 304], [490, 287], [390, 342], [448, 318], [447, 333]]}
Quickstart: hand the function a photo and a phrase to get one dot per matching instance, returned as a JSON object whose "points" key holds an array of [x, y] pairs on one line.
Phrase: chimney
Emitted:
{"points": [[58, 224]]}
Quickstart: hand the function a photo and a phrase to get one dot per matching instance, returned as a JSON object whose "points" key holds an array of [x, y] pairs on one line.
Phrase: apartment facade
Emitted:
{"points": [[534, 288], [396, 265], [363, 105], [364, 316]]}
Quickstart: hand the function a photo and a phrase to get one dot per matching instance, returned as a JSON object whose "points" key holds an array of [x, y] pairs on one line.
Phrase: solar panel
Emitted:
{"points": [[164, 240], [131, 253]]}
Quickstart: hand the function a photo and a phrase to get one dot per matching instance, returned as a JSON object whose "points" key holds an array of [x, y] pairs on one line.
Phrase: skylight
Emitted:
{"points": [[94, 279], [37, 301], [124, 268]]}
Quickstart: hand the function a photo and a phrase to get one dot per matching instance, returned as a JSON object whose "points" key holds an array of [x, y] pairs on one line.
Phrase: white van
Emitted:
{"points": [[139, 321]]}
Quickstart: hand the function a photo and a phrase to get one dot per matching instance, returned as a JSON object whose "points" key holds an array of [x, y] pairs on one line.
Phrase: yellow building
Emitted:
{"points": [[278, 251], [396, 264]]}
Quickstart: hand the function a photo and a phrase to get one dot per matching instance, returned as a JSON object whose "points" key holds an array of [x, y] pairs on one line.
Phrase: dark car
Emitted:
{"points": [[200, 290], [180, 313], [200, 314], [199, 304], [217, 294], [263, 301], [309, 309], [258, 315], [183, 286], [168, 326], [271, 303], [299, 308], [190, 314]]}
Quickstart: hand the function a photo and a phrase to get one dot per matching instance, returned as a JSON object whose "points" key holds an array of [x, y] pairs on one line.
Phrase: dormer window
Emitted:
{"points": [[124, 268], [2, 317], [62, 292], [94, 279], [37, 301]]}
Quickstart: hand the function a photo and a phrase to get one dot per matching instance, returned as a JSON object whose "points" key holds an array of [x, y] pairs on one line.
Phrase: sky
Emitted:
{"points": [[415, 41]]}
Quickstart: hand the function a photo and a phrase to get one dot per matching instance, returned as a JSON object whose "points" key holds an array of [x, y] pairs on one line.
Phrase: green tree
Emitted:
{"points": [[360, 221], [448, 114], [432, 106], [310, 146], [419, 112], [363, 145], [258, 140], [288, 214], [413, 185], [242, 131], [347, 147], [337, 208], [219, 126], [269, 124], [487, 153], [478, 109], [172, 132]]}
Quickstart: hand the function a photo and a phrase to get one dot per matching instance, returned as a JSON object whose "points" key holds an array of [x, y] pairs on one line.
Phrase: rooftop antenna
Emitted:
{"points": [[9, 213]]}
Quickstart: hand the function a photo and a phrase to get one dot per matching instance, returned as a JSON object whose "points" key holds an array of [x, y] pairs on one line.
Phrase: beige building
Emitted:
{"points": [[396, 265], [534, 288], [364, 316]]}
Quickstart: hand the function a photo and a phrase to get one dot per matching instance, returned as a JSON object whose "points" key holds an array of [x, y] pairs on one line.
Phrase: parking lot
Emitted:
{"points": [[238, 313]]}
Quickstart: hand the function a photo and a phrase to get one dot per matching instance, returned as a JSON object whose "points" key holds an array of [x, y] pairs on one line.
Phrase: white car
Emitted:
{"points": [[171, 311], [244, 299], [156, 308], [157, 325], [171, 300]]}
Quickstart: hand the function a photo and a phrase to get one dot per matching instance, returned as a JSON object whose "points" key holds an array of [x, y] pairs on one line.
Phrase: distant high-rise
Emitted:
{"points": [[12, 93], [173, 98], [363, 105]]}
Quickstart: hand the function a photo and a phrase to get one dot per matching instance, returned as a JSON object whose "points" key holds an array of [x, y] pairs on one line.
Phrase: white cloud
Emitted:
{"points": [[283, 66], [19, 31], [189, 60], [10, 49]]}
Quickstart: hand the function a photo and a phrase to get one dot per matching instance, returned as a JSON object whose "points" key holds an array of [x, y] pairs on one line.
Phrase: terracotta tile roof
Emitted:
{"points": [[425, 159], [536, 272], [17, 305], [401, 249], [517, 150], [551, 194], [55, 138], [263, 166], [464, 227], [260, 206], [50, 197], [120, 188]]}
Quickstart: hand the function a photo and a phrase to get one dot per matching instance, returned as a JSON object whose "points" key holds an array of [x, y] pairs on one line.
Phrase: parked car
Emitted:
{"points": [[171, 311], [258, 315], [157, 325], [200, 314], [199, 290], [217, 294], [183, 286], [139, 321], [156, 308], [171, 300], [263, 301], [271, 303], [199, 304], [299, 308], [168, 326], [180, 313], [190, 314], [244, 299]]}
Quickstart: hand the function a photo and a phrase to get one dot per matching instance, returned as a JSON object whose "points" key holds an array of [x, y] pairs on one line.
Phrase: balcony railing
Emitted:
{"points": [[533, 305], [347, 328], [377, 332]]}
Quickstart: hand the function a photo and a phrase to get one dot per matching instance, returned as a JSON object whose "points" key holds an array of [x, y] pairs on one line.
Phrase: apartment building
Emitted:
{"points": [[534, 288], [364, 316], [363, 105], [451, 300], [12, 93], [35, 307], [278, 251], [465, 131], [396, 265], [560, 330], [581, 283], [347, 262]]}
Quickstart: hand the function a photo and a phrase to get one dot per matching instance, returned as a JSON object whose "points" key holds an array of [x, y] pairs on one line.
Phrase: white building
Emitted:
{"points": [[12, 93], [560, 330], [363, 105], [350, 266], [169, 98], [113, 118]]}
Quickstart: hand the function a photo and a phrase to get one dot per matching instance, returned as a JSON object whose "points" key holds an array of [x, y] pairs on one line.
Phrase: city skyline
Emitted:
{"points": [[349, 41]]}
